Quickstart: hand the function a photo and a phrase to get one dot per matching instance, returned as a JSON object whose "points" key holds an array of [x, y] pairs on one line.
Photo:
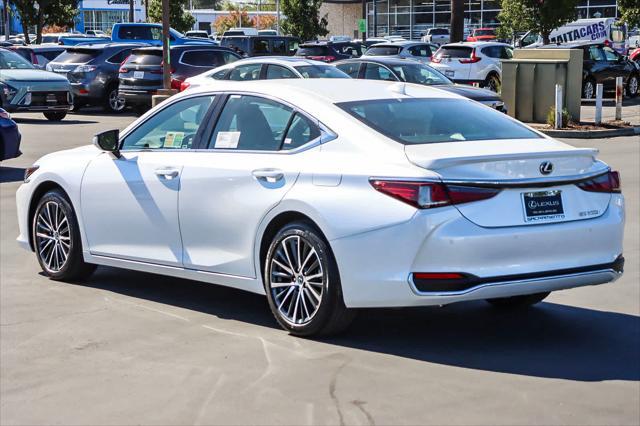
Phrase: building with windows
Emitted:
{"points": [[405, 17], [102, 14]]}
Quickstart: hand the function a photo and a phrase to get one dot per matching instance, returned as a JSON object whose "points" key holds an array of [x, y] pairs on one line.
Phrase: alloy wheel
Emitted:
{"points": [[53, 236], [632, 88], [116, 102], [296, 280], [587, 92]]}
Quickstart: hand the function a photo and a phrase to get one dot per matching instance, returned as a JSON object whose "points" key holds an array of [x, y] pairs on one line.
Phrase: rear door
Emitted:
{"points": [[253, 157]]}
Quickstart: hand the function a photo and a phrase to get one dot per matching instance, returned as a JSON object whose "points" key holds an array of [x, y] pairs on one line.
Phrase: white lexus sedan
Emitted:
{"points": [[328, 196]]}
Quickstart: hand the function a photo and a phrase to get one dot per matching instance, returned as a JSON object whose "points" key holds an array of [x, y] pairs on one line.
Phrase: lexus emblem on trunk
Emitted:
{"points": [[546, 167]]}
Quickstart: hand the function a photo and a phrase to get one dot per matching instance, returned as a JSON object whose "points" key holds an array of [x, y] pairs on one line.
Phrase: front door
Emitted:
{"points": [[130, 204], [255, 153]]}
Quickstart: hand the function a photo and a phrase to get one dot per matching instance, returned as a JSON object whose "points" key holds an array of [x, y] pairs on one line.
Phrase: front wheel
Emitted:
{"points": [[515, 302], [302, 283], [56, 238], [632, 86], [55, 116], [492, 82], [589, 89]]}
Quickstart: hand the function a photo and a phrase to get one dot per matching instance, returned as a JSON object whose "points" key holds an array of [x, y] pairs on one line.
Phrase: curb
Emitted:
{"points": [[591, 134]]}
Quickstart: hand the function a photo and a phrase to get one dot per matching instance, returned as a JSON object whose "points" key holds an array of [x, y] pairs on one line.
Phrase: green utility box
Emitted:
{"points": [[530, 78]]}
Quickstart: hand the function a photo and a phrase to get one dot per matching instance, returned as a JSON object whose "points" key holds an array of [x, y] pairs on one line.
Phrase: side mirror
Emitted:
{"points": [[108, 141]]}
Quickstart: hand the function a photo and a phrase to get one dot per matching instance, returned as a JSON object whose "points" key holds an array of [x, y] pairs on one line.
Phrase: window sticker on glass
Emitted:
{"points": [[288, 141], [173, 140], [227, 140]]}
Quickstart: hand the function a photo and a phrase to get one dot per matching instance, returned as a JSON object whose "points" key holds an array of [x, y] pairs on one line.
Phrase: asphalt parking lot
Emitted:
{"points": [[134, 348]]}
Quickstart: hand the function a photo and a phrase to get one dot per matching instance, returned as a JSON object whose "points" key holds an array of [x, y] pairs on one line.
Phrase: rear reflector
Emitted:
{"points": [[425, 195], [608, 182]]}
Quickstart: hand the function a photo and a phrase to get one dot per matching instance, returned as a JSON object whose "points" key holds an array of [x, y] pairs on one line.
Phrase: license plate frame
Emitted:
{"points": [[543, 206], [138, 74], [51, 98]]}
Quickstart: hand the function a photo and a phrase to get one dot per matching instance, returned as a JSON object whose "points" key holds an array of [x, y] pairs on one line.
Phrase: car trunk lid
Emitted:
{"points": [[531, 175]]}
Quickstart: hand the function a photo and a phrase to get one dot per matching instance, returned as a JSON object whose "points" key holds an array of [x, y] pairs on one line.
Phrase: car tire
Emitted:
{"points": [[589, 89], [302, 283], [492, 82], [56, 239], [633, 83], [55, 116], [114, 103], [515, 302]]}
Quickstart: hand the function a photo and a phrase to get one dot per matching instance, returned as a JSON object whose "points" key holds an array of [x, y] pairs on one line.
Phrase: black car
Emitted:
{"points": [[9, 137], [327, 51], [410, 71], [261, 45], [141, 74], [38, 55], [602, 64], [92, 71]]}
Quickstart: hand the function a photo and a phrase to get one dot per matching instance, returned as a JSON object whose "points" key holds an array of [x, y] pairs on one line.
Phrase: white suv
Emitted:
{"points": [[477, 62]]}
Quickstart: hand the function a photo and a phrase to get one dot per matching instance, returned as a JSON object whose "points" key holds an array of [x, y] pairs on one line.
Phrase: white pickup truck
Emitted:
{"points": [[437, 36]]}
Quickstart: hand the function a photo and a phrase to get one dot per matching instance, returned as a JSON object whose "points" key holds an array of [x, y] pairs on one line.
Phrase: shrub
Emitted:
{"points": [[551, 117]]}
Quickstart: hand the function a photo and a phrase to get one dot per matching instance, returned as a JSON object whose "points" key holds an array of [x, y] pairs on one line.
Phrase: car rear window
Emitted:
{"points": [[202, 58], [454, 52], [483, 32], [418, 121], [25, 53], [383, 50], [239, 44], [147, 58], [77, 56], [439, 31], [320, 71], [312, 51]]}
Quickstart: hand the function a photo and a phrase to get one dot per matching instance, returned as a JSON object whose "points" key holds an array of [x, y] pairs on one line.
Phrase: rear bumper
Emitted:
{"points": [[376, 267], [137, 97]]}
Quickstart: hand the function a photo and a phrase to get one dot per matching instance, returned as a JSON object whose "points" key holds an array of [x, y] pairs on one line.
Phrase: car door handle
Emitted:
{"points": [[167, 173], [268, 175]]}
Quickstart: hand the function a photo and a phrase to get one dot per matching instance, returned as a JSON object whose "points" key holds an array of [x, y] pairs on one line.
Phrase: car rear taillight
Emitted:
{"points": [[123, 69], [176, 84], [436, 59], [608, 182], [472, 59], [324, 58], [184, 86], [426, 195]]}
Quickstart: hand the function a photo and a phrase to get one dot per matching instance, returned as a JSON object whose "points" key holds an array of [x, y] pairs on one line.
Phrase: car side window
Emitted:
{"points": [[228, 57], [293, 46], [350, 68], [300, 132], [251, 123], [51, 55], [596, 54], [378, 72], [277, 72], [492, 51], [156, 33], [245, 72], [219, 75], [610, 54], [202, 58], [506, 52], [173, 127], [260, 45], [279, 47]]}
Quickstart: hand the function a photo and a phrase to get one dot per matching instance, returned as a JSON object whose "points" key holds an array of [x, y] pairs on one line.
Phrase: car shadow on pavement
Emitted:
{"points": [[549, 340], [43, 121], [11, 174]]}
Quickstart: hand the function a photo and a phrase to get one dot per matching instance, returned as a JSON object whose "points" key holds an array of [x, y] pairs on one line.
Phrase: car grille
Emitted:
{"points": [[49, 98]]}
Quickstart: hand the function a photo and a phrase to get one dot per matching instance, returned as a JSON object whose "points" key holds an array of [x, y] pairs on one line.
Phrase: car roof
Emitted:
{"points": [[307, 92], [277, 60], [184, 47], [383, 60], [46, 46], [477, 44], [101, 46]]}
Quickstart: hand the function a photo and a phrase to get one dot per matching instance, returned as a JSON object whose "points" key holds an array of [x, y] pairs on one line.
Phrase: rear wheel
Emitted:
{"points": [[515, 302], [55, 116], [56, 238], [302, 283], [589, 89], [113, 102], [492, 82]]}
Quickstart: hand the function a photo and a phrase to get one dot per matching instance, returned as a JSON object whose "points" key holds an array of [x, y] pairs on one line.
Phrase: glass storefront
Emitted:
{"points": [[103, 20], [405, 17]]}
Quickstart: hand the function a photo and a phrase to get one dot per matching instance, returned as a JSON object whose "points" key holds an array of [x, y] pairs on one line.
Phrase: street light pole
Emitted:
{"points": [[166, 61], [278, 16]]}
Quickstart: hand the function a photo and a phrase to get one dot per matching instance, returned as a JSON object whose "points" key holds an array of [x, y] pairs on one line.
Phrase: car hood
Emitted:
{"points": [[475, 93], [30, 75]]}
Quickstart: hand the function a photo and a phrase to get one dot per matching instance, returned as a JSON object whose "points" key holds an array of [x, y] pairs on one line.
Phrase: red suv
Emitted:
{"points": [[482, 34]]}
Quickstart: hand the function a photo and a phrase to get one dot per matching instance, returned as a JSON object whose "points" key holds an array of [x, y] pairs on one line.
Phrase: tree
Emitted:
{"points": [[264, 22], [539, 16], [235, 18], [457, 20], [49, 12], [179, 18], [303, 19], [630, 12]]}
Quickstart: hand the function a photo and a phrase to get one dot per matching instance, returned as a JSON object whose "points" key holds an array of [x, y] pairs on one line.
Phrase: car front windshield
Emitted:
{"points": [[320, 71], [417, 121], [13, 61], [420, 74]]}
